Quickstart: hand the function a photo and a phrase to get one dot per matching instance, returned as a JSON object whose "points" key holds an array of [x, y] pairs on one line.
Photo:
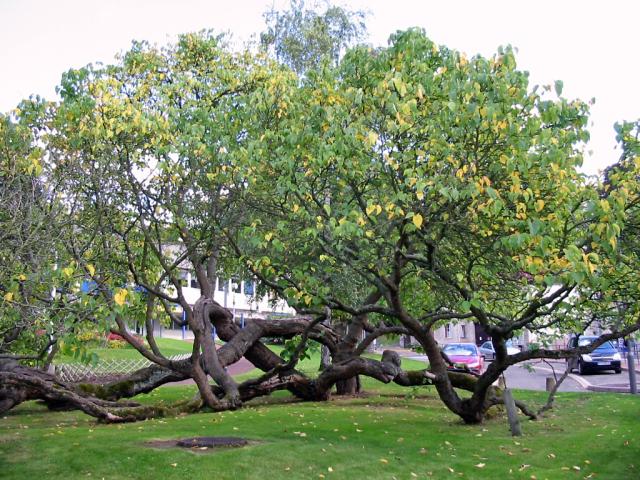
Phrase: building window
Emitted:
{"points": [[463, 331], [235, 285], [222, 284], [248, 287], [194, 282], [447, 330]]}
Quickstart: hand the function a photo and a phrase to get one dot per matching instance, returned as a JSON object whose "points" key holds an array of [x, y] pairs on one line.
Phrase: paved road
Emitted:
{"points": [[533, 377]]}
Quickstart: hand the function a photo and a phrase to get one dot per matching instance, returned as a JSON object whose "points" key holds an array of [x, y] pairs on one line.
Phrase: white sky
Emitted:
{"points": [[590, 45]]}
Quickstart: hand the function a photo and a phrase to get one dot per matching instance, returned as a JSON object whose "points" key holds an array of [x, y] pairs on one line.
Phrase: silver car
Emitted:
{"points": [[488, 353]]}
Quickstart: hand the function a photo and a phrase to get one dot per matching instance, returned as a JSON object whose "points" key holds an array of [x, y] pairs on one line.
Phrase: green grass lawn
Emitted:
{"points": [[392, 432], [168, 346]]}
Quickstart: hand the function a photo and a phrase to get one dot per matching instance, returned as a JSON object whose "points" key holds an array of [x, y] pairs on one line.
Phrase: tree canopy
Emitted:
{"points": [[387, 192]]}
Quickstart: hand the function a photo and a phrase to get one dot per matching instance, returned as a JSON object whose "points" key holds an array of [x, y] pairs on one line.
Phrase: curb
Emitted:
{"points": [[626, 369], [594, 388], [610, 389], [579, 380]]}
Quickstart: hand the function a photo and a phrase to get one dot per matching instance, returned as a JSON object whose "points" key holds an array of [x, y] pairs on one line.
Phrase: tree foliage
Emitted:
{"points": [[397, 189], [302, 38]]}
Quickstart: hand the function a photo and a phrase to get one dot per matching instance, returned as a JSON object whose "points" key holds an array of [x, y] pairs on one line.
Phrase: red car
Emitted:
{"points": [[464, 353]]}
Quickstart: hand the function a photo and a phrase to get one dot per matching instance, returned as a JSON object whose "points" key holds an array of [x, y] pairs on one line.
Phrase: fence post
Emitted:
{"points": [[550, 383], [512, 413], [633, 386]]}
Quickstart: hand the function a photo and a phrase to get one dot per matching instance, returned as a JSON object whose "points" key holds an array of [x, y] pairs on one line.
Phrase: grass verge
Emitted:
{"points": [[389, 433]]}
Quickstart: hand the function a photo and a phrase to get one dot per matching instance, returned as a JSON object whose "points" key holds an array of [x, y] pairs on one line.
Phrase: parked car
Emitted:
{"points": [[605, 357], [464, 353], [488, 353]]}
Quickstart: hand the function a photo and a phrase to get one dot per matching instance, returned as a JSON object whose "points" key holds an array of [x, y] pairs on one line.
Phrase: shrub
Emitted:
{"points": [[117, 344]]}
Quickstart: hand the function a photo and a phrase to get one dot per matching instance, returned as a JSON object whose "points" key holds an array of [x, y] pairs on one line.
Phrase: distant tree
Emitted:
{"points": [[302, 38]]}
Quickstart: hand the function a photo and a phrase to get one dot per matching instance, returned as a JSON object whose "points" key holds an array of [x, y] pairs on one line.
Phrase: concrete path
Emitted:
{"points": [[241, 366]]}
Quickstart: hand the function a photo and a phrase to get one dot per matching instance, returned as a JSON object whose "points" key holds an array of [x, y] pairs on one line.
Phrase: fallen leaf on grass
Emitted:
{"points": [[384, 460], [480, 465]]}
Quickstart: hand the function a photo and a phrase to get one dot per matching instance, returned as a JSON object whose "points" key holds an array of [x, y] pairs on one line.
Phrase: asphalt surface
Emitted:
{"points": [[533, 376]]}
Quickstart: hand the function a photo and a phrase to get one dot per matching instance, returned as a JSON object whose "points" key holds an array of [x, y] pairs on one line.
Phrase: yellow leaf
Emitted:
{"points": [[296, 207], [120, 297], [92, 270], [539, 205], [22, 277], [372, 138], [420, 195], [384, 460], [8, 296], [268, 236], [417, 220], [370, 209], [369, 233], [378, 209], [480, 465], [68, 271]]}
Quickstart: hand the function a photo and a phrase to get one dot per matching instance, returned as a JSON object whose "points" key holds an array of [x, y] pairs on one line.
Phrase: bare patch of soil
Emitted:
{"points": [[200, 444]]}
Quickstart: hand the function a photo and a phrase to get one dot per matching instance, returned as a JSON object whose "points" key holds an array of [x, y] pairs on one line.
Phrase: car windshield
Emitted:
{"points": [[461, 350], [606, 346]]}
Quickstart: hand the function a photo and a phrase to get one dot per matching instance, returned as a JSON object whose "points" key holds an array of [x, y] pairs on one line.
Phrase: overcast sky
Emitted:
{"points": [[591, 46]]}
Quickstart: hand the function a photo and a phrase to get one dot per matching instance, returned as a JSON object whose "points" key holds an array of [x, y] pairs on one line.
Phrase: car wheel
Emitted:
{"points": [[581, 368], [618, 370]]}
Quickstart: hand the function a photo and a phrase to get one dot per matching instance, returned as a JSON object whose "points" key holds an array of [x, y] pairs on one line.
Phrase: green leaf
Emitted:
{"points": [[558, 87]]}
